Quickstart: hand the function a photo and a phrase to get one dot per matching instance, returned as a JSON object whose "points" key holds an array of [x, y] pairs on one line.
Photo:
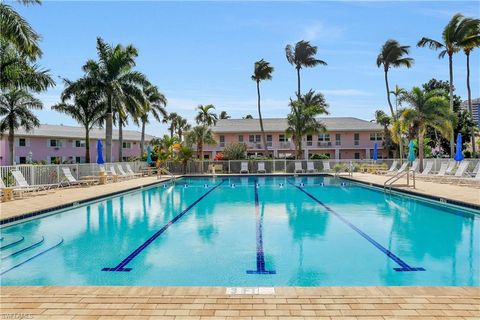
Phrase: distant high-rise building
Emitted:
{"points": [[475, 109]]}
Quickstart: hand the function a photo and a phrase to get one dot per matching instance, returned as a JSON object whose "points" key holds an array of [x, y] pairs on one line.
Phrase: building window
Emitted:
{"points": [[22, 160], [338, 139], [55, 143], [254, 138], [222, 141], [324, 137], [376, 136], [79, 143], [79, 159], [240, 138], [269, 140], [127, 145], [356, 139], [357, 155], [125, 159], [22, 142], [309, 140], [282, 138]]}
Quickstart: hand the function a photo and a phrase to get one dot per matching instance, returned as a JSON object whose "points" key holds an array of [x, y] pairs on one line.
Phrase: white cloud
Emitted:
{"points": [[318, 30]]}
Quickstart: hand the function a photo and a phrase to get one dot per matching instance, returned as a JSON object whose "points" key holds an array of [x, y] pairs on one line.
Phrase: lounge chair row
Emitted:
{"points": [[298, 167]]}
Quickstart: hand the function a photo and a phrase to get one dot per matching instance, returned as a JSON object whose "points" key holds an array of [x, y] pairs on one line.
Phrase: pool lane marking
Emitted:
{"points": [[404, 266], [131, 256], [259, 231]]}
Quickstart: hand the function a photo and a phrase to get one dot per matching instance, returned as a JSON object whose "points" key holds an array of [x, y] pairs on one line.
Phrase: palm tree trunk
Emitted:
{"points": [[108, 130], [298, 83], [142, 139], [87, 144], [420, 147], [120, 139], [450, 69], [394, 115], [11, 145], [469, 95], [299, 148], [264, 137]]}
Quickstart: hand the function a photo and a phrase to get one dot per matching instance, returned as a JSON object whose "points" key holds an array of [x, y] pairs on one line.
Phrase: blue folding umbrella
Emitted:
{"points": [[411, 151], [459, 155], [375, 152], [99, 152], [149, 156]]}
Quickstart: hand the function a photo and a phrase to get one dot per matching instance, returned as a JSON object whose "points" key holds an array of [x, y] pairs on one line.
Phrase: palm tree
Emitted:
{"points": [[114, 76], [427, 109], [302, 55], [154, 104], [87, 108], [223, 115], [14, 29], [15, 108], [453, 33], [205, 115], [302, 119], [262, 71], [185, 154], [182, 126], [393, 55], [397, 92], [200, 135], [468, 44], [172, 119]]}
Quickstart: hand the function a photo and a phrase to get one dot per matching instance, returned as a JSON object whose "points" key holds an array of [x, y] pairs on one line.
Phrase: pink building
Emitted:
{"points": [[345, 138], [59, 143]]}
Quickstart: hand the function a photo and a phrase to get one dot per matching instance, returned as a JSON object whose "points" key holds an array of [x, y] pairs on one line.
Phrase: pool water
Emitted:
{"points": [[247, 231]]}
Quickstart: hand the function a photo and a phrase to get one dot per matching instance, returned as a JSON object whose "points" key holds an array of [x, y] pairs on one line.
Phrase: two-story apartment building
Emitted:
{"points": [[345, 138], [59, 143]]}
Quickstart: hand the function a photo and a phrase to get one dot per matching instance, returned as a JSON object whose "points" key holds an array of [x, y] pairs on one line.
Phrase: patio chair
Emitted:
{"points": [[441, 172], [261, 167], [402, 168], [21, 182], [415, 164], [298, 168], [71, 181], [326, 166], [476, 169], [131, 172], [16, 190], [311, 167], [393, 167], [450, 167], [244, 167], [427, 169], [113, 172], [123, 174]]}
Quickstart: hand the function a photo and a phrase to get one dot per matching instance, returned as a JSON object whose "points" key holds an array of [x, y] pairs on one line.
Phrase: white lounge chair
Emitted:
{"points": [[427, 169], [450, 167], [326, 166], [123, 173], [115, 174], [21, 182], [71, 181], [131, 172], [16, 190], [461, 169], [441, 172], [402, 168], [311, 167], [298, 168], [244, 167], [476, 169], [393, 167], [261, 167], [415, 164]]}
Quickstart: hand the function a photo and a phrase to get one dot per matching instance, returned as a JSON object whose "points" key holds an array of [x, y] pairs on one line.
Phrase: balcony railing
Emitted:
{"points": [[324, 143]]}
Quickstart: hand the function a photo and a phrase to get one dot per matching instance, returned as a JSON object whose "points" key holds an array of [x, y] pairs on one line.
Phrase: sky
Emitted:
{"points": [[204, 52]]}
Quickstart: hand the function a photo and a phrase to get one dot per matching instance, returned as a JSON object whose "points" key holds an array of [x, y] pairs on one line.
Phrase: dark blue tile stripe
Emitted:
{"points": [[404, 266], [260, 252], [131, 256]]}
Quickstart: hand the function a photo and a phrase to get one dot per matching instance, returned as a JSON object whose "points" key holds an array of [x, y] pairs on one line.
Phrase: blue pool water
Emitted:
{"points": [[247, 231]]}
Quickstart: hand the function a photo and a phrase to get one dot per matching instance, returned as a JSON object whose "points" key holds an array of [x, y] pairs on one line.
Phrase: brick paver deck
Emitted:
{"points": [[199, 303]]}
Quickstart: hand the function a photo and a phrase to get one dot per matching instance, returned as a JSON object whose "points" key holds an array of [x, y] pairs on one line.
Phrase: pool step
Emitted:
{"points": [[9, 240], [20, 247], [29, 253]]}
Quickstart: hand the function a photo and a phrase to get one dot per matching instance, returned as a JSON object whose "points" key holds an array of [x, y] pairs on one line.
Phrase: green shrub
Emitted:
{"points": [[234, 151], [319, 157], [339, 167]]}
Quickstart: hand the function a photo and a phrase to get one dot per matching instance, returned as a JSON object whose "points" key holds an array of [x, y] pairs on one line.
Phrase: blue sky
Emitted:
{"points": [[203, 52]]}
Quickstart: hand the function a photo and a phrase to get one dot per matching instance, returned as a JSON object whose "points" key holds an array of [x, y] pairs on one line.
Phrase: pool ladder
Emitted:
{"points": [[389, 183], [163, 170]]}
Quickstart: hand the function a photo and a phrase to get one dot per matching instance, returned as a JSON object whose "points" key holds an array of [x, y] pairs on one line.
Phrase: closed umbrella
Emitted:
{"points": [[99, 152], [149, 156], [459, 155], [411, 151], [375, 152]]}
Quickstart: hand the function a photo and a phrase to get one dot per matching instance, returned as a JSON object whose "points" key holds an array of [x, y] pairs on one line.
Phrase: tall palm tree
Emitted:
{"points": [[182, 126], [114, 76], [302, 119], [14, 29], [154, 104], [15, 108], [471, 41], [200, 136], [172, 120], [453, 33], [302, 55], [427, 109], [223, 115], [262, 71], [397, 92], [206, 116], [393, 55], [87, 108]]}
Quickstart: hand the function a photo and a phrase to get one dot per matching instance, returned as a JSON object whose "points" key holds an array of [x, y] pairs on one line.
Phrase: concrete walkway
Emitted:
{"points": [[202, 303]]}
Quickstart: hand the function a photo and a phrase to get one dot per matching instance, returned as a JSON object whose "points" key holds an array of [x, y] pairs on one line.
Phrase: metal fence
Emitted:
{"points": [[48, 174]]}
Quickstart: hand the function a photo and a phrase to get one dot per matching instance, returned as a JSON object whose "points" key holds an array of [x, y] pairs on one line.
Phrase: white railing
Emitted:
{"points": [[52, 173]]}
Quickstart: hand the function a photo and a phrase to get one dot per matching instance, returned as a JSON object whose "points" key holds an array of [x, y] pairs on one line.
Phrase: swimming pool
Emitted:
{"points": [[247, 231]]}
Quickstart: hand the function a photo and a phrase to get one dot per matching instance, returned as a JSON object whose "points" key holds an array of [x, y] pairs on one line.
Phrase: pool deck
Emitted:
{"points": [[202, 303]]}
